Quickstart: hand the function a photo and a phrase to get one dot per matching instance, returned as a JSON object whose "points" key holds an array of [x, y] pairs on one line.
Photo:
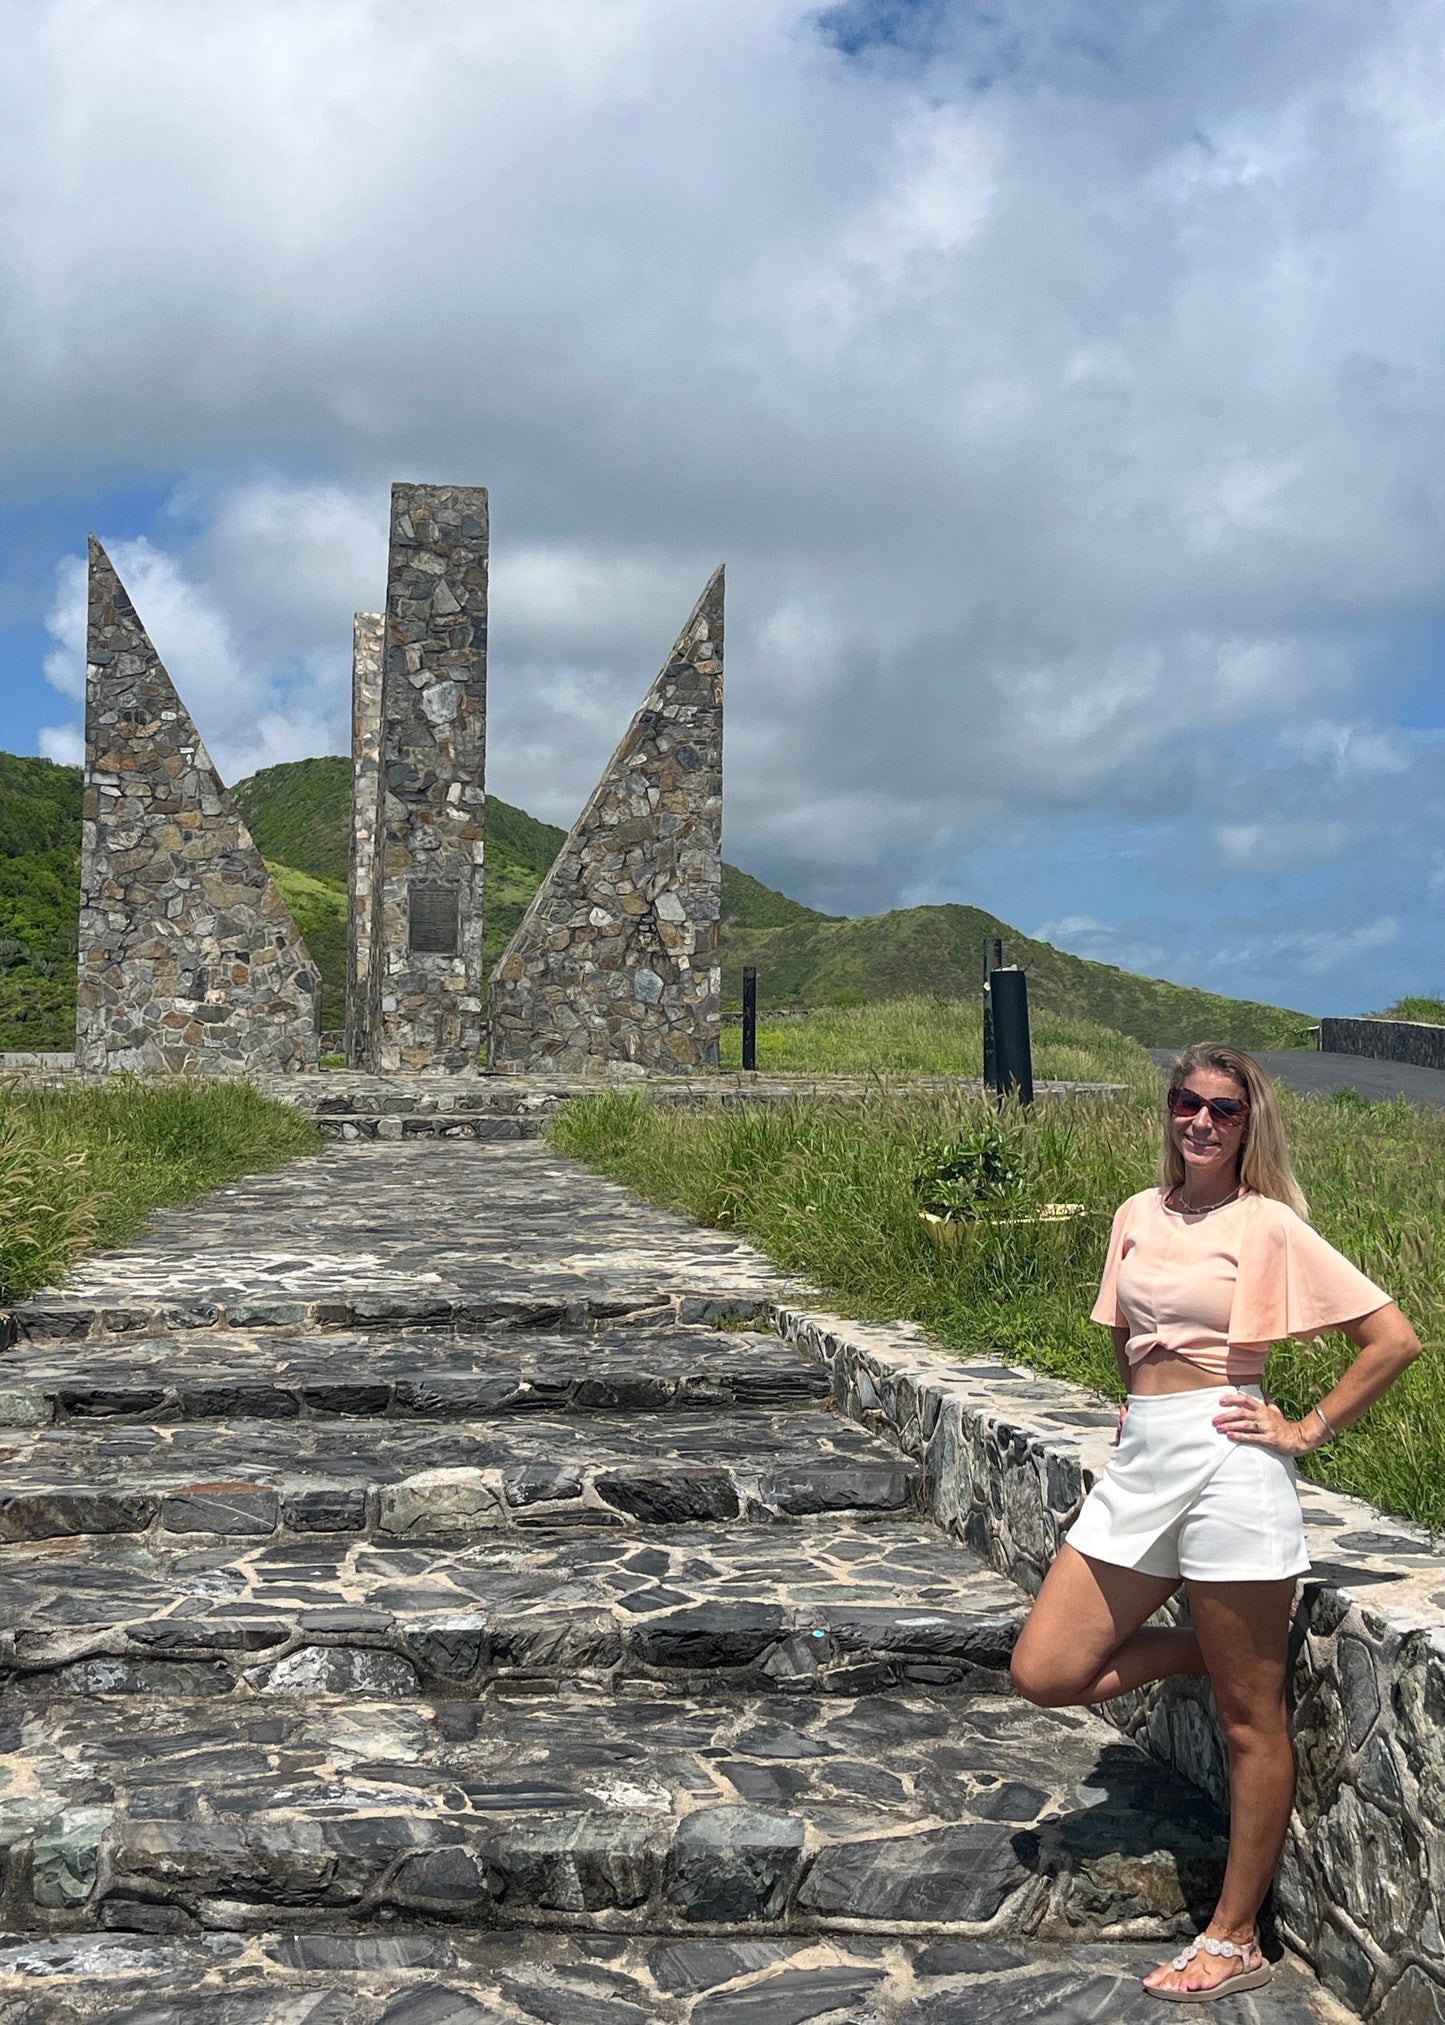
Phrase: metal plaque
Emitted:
{"points": [[434, 922]]}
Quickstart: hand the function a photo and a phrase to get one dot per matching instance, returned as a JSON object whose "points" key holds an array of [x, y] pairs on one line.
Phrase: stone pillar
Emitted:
{"points": [[190, 963], [616, 959], [366, 643], [426, 943]]}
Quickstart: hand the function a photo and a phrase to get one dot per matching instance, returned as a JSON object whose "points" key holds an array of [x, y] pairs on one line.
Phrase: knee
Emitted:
{"points": [[1037, 1682], [1253, 1726]]}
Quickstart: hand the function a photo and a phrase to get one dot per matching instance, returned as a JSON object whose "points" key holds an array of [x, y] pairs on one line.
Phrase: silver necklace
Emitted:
{"points": [[1183, 1208]]}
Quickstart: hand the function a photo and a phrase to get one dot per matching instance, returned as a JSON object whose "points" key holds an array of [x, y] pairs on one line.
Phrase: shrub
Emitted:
{"points": [[969, 1176]]}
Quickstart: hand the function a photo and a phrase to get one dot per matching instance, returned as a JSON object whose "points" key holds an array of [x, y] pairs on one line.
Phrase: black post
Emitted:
{"points": [[1013, 1055], [750, 1017], [992, 961]]}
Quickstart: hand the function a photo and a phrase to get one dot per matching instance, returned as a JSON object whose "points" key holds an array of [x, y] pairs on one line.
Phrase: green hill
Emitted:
{"points": [[826, 959], [299, 814], [39, 889]]}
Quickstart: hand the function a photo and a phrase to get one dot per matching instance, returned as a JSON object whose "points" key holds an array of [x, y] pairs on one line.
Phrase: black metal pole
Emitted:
{"points": [[750, 1017], [992, 961], [1013, 1054]]}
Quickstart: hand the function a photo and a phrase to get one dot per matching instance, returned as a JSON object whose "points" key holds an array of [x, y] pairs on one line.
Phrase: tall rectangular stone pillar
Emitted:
{"points": [[426, 980], [367, 632]]}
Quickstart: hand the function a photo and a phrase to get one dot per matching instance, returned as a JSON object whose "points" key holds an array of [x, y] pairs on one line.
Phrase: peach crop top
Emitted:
{"points": [[1221, 1289]]}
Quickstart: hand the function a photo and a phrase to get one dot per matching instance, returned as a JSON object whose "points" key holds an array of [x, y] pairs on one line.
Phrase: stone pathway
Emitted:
{"points": [[430, 1595]]}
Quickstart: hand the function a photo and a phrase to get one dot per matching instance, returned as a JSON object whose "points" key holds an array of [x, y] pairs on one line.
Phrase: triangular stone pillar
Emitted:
{"points": [[616, 959], [190, 963]]}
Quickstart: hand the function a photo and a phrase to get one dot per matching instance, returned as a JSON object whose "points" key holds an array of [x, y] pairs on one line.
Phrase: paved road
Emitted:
{"points": [[1304, 1069]]}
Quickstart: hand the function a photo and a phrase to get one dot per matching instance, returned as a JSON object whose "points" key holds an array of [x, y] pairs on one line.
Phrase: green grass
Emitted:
{"points": [[84, 1168], [1430, 1010], [936, 1037], [319, 910], [828, 1191]]}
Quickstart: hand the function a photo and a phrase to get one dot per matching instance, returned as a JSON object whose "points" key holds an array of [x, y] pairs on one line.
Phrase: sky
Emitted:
{"points": [[1062, 382]]}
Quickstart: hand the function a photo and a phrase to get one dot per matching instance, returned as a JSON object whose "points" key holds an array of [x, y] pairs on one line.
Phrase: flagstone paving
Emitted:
{"points": [[415, 1609], [427, 1233]]}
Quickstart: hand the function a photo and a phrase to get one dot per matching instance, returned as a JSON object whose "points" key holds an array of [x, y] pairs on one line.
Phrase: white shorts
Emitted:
{"points": [[1182, 1499]]}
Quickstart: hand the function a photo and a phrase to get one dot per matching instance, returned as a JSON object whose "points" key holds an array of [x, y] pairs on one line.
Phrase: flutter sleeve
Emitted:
{"points": [[1291, 1282], [1106, 1309]]}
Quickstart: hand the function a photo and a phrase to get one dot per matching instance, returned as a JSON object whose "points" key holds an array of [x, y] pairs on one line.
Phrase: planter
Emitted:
{"points": [[947, 1232]]}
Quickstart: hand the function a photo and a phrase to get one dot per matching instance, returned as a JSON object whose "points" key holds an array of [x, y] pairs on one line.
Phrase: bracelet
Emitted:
{"points": [[1330, 1430]]}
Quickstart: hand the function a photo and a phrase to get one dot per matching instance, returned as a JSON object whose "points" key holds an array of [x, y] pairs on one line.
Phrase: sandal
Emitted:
{"points": [[1243, 1978]]}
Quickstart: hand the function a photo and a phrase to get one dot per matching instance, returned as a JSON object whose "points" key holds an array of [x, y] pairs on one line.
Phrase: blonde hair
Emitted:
{"points": [[1264, 1162]]}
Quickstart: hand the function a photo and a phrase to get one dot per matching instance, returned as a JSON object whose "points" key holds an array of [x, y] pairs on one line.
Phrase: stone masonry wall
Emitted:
{"points": [[426, 981], [1385, 1041], [189, 961], [367, 633], [616, 959], [1009, 1456]]}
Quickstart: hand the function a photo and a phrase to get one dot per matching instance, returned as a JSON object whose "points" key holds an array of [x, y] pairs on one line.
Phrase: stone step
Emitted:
{"points": [[427, 1233], [420, 1374], [55, 1319], [635, 1809], [426, 1977], [837, 1606], [480, 1124], [395, 1480], [353, 1096]]}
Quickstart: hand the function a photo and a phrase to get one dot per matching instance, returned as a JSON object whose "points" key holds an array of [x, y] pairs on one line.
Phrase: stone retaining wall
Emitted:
{"points": [[1385, 1041], [1009, 1455]]}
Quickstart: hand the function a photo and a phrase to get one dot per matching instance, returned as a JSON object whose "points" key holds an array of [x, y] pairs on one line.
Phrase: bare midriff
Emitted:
{"points": [[1162, 1370]]}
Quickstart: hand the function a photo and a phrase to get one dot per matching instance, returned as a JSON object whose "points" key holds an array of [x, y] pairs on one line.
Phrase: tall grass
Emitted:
{"points": [[84, 1167], [828, 1192], [938, 1037], [1429, 1009]]}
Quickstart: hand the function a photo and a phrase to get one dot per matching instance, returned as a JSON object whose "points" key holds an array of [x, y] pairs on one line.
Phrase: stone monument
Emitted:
{"points": [[366, 643], [617, 956], [189, 960], [425, 981]]}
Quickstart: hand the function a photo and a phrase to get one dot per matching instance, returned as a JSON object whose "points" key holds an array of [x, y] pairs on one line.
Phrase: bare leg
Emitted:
{"points": [[1086, 1639], [1243, 1630]]}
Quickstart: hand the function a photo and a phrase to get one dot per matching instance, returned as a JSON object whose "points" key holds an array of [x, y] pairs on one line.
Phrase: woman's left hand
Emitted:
{"points": [[1260, 1424]]}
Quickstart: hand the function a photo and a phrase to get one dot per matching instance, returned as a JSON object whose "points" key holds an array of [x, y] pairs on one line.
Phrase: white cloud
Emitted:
{"points": [[251, 711], [64, 743], [1103, 942], [65, 623], [1065, 391], [1353, 751], [1271, 847], [1314, 951]]}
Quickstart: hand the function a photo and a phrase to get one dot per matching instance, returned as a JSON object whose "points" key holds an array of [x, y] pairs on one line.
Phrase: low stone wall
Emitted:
{"points": [[1385, 1041], [1009, 1456]]}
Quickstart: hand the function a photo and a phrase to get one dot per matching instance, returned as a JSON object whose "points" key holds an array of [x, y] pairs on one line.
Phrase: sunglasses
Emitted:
{"points": [[1222, 1110]]}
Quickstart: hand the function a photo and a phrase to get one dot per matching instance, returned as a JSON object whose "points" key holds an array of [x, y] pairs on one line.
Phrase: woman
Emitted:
{"points": [[1203, 1275]]}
